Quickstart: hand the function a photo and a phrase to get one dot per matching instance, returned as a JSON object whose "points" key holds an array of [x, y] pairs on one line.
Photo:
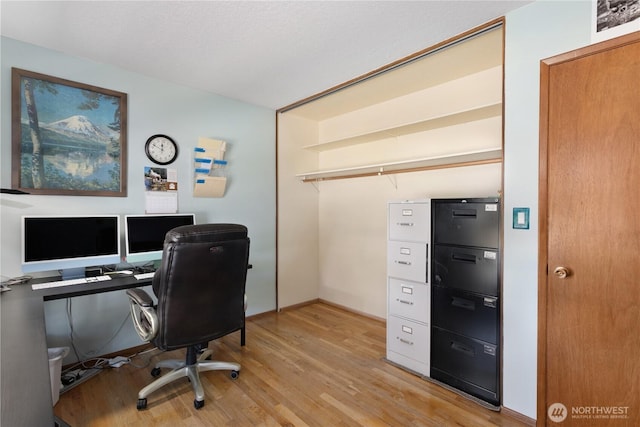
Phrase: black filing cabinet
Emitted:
{"points": [[465, 295]]}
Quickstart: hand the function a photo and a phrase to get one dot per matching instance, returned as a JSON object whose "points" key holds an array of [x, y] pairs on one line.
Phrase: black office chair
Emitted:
{"points": [[200, 288]]}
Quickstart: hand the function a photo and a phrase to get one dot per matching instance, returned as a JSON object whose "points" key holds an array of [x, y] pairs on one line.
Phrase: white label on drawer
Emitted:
{"points": [[490, 255], [407, 212], [407, 329], [491, 208], [405, 251], [491, 302], [407, 290], [490, 350]]}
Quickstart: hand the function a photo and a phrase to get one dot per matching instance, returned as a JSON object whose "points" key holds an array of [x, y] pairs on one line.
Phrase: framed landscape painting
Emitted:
{"points": [[68, 138]]}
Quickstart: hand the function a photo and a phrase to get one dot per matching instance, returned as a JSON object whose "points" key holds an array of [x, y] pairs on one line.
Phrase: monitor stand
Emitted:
{"points": [[72, 273]]}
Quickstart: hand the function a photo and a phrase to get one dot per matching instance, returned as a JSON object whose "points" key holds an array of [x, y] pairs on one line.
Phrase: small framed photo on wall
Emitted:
{"points": [[613, 18]]}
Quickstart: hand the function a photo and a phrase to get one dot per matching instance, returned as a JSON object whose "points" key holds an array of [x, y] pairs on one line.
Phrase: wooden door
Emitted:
{"points": [[589, 321]]}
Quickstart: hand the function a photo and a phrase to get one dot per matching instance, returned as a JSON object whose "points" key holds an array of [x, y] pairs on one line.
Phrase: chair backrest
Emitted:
{"points": [[200, 284]]}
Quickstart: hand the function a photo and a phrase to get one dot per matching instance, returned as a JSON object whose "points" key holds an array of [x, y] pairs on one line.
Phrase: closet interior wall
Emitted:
{"points": [[431, 128]]}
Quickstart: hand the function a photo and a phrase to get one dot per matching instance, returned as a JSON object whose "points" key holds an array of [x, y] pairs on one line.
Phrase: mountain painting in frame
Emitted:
{"points": [[68, 138]]}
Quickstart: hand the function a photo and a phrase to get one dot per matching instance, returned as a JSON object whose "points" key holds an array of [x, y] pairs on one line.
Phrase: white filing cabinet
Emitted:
{"points": [[408, 291]]}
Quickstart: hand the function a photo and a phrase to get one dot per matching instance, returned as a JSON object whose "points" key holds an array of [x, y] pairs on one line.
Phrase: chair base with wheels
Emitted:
{"points": [[195, 362]]}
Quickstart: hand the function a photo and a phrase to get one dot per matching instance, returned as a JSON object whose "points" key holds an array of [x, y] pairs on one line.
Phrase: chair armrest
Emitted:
{"points": [[145, 319], [140, 297]]}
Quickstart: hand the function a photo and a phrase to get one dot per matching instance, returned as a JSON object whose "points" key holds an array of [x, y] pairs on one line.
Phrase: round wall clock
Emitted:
{"points": [[161, 149]]}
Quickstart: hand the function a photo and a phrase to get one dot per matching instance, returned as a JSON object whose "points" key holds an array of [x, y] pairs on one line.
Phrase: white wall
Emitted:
{"points": [[154, 107], [534, 32], [298, 269]]}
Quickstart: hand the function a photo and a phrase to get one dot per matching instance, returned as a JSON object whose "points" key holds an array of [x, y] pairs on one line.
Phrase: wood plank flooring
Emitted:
{"points": [[315, 365]]}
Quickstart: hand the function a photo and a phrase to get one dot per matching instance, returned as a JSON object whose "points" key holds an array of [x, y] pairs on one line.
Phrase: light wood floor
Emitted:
{"points": [[316, 365]]}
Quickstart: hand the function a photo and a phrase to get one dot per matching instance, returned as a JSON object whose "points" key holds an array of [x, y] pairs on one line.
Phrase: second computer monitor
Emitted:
{"points": [[144, 234]]}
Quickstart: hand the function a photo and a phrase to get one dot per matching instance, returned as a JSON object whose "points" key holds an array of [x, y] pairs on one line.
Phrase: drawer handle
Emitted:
{"points": [[464, 213], [406, 341], [464, 258], [404, 301], [463, 303], [404, 262], [462, 349], [405, 224]]}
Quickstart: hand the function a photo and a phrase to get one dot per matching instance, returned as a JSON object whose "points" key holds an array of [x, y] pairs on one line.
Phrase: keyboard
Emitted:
{"points": [[143, 276], [70, 282]]}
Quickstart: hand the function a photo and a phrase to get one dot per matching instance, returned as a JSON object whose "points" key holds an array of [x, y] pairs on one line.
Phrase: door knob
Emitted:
{"points": [[561, 272]]}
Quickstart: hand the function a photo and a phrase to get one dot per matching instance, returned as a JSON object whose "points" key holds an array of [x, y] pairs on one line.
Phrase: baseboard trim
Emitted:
{"points": [[518, 416], [333, 304], [351, 310], [300, 304]]}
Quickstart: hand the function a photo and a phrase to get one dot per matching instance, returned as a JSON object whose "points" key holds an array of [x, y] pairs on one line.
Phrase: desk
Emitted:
{"points": [[25, 378]]}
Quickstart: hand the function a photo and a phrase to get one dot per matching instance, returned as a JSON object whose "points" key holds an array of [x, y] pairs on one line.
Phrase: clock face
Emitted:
{"points": [[161, 149]]}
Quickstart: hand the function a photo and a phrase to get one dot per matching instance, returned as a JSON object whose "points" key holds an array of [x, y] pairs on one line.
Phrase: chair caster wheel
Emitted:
{"points": [[155, 372], [234, 374], [198, 404], [142, 404]]}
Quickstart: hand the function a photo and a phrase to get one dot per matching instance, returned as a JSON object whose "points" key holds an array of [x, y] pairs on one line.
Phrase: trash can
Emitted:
{"points": [[55, 369]]}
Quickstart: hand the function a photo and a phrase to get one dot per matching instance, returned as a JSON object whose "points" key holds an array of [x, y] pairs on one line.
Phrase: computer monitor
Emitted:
{"points": [[144, 234], [69, 243]]}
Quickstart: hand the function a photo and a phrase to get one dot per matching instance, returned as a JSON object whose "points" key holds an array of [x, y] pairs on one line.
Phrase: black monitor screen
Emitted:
{"points": [[58, 242], [144, 234]]}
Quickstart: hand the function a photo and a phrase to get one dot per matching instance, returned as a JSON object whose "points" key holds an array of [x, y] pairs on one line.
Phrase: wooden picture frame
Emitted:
{"points": [[67, 138]]}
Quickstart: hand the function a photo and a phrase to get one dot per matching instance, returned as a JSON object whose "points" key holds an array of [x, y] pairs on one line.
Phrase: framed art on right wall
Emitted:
{"points": [[613, 18]]}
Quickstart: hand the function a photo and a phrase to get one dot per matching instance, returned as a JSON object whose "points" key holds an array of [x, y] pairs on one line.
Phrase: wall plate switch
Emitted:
{"points": [[521, 218]]}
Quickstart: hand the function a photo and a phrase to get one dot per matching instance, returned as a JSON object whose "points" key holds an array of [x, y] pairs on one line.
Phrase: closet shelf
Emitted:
{"points": [[459, 117], [479, 157]]}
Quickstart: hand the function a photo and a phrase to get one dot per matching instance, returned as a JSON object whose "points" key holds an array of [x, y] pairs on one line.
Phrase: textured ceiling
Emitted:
{"points": [[267, 53]]}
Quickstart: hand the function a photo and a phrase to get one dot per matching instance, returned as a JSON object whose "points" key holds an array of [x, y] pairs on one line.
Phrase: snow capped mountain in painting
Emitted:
{"points": [[80, 126]]}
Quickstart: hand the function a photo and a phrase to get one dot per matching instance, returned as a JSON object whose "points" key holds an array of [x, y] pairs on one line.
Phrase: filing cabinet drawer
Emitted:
{"points": [[407, 260], [408, 338], [409, 222], [472, 363], [475, 223], [471, 315], [409, 299], [469, 269]]}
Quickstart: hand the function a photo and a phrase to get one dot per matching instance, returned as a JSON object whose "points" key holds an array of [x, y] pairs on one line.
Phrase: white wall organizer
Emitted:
{"points": [[210, 168]]}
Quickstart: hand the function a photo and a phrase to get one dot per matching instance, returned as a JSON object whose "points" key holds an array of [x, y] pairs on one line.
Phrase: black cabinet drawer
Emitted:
{"points": [[490, 396], [471, 315], [469, 269], [474, 223], [465, 363]]}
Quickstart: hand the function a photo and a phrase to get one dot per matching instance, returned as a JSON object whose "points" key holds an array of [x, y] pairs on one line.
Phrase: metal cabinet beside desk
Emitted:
{"points": [[24, 373]]}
